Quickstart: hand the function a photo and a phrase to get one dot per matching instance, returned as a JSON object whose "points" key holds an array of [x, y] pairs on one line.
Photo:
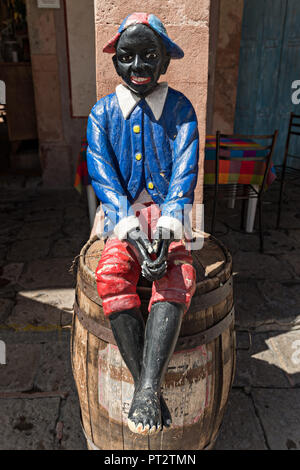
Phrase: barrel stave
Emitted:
{"points": [[80, 336]]}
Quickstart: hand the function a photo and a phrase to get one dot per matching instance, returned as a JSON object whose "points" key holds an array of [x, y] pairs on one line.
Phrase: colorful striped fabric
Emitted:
{"points": [[245, 172], [229, 171]]}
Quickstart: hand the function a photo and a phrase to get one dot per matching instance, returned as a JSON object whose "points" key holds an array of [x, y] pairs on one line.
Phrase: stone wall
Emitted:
{"points": [[226, 66], [187, 24], [59, 134], [212, 57], [208, 32]]}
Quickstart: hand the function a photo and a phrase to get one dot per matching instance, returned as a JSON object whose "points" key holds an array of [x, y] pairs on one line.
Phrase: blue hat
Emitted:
{"points": [[154, 23]]}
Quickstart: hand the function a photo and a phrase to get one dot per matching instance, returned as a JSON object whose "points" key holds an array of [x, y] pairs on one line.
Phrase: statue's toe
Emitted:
{"points": [[144, 416]]}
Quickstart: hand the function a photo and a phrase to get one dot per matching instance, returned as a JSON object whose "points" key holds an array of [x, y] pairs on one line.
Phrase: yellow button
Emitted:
{"points": [[138, 156], [150, 185], [136, 129], [180, 194]]}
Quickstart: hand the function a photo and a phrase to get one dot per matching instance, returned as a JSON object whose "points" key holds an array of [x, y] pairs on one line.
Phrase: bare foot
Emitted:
{"points": [[144, 416]]}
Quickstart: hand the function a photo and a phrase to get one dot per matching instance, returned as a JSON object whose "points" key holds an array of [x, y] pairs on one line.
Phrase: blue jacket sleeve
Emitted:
{"points": [[101, 163], [185, 164]]}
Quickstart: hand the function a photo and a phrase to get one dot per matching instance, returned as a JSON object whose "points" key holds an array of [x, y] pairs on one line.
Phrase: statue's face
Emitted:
{"points": [[140, 58]]}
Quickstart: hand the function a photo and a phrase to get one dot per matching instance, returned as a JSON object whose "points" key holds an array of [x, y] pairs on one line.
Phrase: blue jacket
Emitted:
{"points": [[125, 156]]}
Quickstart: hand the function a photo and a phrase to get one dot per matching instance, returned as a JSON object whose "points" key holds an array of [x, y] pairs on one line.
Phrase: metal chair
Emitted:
{"points": [[236, 190], [289, 173]]}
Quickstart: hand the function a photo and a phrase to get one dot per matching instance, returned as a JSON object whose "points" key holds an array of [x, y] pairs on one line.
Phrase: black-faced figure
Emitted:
{"points": [[143, 162]]}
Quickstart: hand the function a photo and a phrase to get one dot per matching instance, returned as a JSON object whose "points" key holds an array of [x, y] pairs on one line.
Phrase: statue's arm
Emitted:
{"points": [[183, 180], [184, 171], [119, 217]]}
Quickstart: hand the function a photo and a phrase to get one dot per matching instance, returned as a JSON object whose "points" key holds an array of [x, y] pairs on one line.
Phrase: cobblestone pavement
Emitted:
{"points": [[41, 231]]}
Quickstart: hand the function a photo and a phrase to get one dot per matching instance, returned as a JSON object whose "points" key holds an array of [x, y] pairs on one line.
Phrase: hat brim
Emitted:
{"points": [[110, 46], [174, 51]]}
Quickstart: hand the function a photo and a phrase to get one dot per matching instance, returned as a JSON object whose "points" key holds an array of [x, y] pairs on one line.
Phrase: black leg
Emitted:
{"points": [[261, 231], [243, 214], [212, 230], [280, 197], [128, 328], [162, 330]]}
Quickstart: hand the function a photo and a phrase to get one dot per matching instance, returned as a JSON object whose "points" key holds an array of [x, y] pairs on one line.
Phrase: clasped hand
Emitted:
{"points": [[152, 269]]}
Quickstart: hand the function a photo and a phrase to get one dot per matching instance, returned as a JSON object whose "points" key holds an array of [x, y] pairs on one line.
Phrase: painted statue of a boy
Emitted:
{"points": [[143, 152]]}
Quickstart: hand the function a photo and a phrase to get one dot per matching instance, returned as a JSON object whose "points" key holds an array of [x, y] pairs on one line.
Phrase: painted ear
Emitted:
{"points": [[165, 65], [115, 62]]}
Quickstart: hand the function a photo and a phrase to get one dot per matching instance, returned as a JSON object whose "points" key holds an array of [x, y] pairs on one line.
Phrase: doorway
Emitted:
{"points": [[18, 129], [269, 65]]}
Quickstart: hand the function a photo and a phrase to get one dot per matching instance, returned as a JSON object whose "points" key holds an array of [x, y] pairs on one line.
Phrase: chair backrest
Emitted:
{"points": [[294, 129], [225, 143]]}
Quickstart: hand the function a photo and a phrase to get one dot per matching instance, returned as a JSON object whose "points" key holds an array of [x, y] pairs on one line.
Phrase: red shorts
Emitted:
{"points": [[118, 272]]}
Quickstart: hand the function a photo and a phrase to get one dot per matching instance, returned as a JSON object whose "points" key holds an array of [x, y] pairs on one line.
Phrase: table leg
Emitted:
{"points": [[251, 211], [92, 203], [231, 202]]}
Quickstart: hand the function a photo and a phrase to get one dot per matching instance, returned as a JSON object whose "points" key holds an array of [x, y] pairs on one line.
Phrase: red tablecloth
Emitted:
{"points": [[241, 172]]}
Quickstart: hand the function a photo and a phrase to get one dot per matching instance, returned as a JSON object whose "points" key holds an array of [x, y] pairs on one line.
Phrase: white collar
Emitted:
{"points": [[155, 100]]}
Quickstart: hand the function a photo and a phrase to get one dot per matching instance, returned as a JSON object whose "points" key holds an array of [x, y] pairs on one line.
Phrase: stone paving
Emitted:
{"points": [[41, 231]]}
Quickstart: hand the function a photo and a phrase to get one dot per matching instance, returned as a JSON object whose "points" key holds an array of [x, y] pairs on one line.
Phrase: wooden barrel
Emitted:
{"points": [[199, 375]]}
